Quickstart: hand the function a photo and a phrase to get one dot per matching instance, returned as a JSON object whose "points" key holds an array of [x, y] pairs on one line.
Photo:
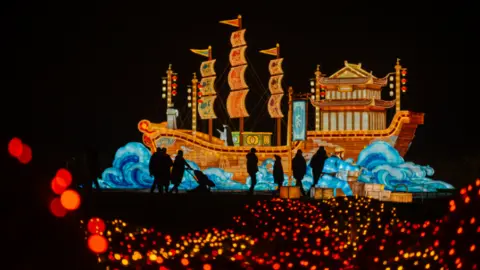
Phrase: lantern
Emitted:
{"points": [[174, 92], [312, 83], [404, 81], [404, 88], [189, 104], [200, 101], [312, 90], [164, 95], [391, 93], [174, 78], [189, 90], [96, 225], [404, 72], [391, 86], [164, 88], [174, 85], [164, 81], [199, 94], [200, 86], [391, 78]]}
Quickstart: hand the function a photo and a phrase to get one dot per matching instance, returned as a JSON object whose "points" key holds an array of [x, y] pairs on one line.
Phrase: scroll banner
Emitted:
{"points": [[236, 104], [236, 78], [207, 68], [208, 86], [206, 109], [237, 56], [275, 84], [238, 38], [275, 66], [299, 120], [275, 106]]}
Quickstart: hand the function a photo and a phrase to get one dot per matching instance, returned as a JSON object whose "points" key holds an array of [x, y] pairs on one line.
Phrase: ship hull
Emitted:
{"points": [[232, 159]]}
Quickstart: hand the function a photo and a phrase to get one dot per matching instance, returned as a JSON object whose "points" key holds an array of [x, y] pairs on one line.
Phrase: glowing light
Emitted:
{"points": [[26, 155], [96, 225], [70, 199], [15, 147], [57, 209], [97, 243]]}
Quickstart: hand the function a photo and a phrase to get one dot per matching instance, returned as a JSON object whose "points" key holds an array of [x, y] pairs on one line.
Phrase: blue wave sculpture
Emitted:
{"points": [[379, 163]]}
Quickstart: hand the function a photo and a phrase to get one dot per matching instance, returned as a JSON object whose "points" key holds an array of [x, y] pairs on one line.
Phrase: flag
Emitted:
{"points": [[200, 52], [234, 22], [272, 51]]}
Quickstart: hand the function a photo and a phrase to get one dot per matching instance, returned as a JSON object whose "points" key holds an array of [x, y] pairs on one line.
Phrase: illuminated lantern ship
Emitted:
{"points": [[349, 114]]}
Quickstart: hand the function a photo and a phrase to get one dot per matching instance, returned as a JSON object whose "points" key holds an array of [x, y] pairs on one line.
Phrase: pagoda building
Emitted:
{"points": [[351, 99]]}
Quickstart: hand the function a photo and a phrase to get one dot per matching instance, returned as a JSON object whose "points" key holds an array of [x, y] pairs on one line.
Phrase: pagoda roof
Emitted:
{"points": [[352, 74], [386, 104]]}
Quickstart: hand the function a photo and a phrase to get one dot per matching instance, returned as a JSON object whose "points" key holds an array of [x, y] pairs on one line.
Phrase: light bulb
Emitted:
{"points": [[189, 97], [312, 90], [164, 95], [189, 104], [391, 86], [164, 88], [391, 93], [312, 83]]}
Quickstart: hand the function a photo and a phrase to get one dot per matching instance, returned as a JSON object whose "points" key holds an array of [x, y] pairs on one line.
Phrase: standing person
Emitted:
{"points": [[278, 176], [167, 164], [252, 168], [154, 167], [299, 167], [317, 163], [178, 171]]}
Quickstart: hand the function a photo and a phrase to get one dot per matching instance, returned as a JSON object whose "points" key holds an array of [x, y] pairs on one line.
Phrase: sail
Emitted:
{"points": [[205, 109], [207, 68], [237, 56], [275, 84], [274, 106], [208, 86], [236, 104], [236, 77], [275, 87]]}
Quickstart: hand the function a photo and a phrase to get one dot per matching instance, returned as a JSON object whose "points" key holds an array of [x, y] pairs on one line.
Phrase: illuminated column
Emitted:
{"points": [[169, 86], [194, 103], [289, 133], [317, 97], [398, 68]]}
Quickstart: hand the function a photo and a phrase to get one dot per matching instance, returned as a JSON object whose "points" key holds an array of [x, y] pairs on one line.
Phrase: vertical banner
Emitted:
{"points": [[299, 123]]}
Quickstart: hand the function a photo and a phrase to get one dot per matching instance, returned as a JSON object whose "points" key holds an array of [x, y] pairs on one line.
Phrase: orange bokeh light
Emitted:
{"points": [[97, 243], [15, 147], [57, 209], [184, 261], [70, 199], [96, 225], [207, 267], [26, 155]]}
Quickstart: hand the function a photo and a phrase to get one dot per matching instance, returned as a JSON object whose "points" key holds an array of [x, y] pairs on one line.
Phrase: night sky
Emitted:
{"points": [[84, 73]]}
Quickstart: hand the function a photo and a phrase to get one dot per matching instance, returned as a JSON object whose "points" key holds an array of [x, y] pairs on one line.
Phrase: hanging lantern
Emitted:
{"points": [[404, 81], [391, 93], [174, 78], [189, 104], [404, 72], [312, 97], [174, 85], [312, 83], [391, 78], [189, 98], [174, 92], [164, 95], [312, 90], [189, 90], [391, 86], [164, 88], [199, 94], [200, 101], [404, 88], [200, 86], [164, 81]]}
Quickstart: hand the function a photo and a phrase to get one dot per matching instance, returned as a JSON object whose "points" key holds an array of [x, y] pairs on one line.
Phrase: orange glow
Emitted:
{"points": [[472, 247], [472, 220], [70, 199], [276, 266], [451, 252], [184, 261], [57, 209], [467, 199], [26, 155], [477, 183], [460, 230], [15, 147], [463, 191], [469, 187], [97, 244], [96, 225], [207, 267]]}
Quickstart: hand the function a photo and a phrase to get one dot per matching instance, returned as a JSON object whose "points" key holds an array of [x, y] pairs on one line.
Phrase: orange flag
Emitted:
{"points": [[272, 51], [234, 22]]}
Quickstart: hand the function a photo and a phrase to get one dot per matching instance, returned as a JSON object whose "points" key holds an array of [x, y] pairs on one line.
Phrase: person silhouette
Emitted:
{"points": [[154, 167], [316, 163], [252, 168], [299, 167], [166, 171], [278, 176], [178, 171]]}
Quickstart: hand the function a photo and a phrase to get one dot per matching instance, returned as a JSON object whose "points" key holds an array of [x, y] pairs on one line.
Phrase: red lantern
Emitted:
{"points": [[174, 78], [174, 92], [404, 81], [199, 94], [404, 72], [96, 225], [174, 85], [322, 93], [200, 101], [200, 86], [404, 88]]}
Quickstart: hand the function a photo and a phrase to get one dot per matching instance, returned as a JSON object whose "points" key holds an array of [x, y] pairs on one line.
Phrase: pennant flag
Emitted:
{"points": [[234, 22], [272, 51], [200, 52]]}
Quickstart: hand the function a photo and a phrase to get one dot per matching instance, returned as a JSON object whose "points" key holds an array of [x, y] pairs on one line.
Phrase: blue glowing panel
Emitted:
{"points": [[299, 128]]}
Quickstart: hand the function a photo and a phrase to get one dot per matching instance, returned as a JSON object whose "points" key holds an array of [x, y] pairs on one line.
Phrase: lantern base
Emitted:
{"points": [[289, 192]]}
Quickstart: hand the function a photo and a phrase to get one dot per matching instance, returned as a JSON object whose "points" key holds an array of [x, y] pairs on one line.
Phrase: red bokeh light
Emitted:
{"points": [[26, 155], [15, 147], [57, 187], [96, 225], [65, 177], [56, 208]]}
